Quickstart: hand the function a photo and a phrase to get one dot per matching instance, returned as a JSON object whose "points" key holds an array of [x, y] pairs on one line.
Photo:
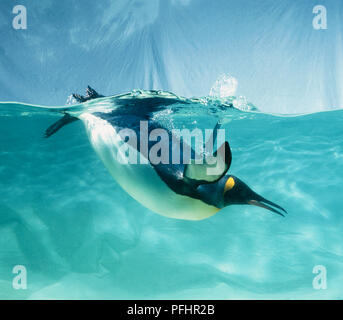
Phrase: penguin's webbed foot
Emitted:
{"points": [[90, 95], [78, 98]]}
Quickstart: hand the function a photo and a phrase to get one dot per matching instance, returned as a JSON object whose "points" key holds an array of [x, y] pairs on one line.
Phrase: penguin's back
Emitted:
{"points": [[141, 181]]}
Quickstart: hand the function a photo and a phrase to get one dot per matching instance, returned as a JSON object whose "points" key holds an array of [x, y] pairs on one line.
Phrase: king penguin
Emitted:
{"points": [[180, 190]]}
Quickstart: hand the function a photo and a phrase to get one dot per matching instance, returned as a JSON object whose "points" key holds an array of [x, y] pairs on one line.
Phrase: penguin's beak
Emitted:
{"points": [[266, 204], [237, 192]]}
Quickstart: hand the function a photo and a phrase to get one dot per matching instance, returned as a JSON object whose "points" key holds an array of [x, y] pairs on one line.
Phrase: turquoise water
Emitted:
{"points": [[79, 235]]}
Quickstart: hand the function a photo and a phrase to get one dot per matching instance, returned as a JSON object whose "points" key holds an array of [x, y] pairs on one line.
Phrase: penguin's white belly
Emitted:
{"points": [[141, 180]]}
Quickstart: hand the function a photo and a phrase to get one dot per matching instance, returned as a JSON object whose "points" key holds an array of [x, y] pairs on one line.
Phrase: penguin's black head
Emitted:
{"points": [[237, 192]]}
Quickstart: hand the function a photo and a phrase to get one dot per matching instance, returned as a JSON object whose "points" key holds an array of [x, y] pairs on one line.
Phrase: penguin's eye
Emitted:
{"points": [[229, 184]]}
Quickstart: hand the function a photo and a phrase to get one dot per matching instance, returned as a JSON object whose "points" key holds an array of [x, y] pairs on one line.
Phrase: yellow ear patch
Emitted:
{"points": [[229, 184]]}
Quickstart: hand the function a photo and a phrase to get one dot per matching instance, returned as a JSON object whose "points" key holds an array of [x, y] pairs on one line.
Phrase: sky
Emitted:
{"points": [[283, 64]]}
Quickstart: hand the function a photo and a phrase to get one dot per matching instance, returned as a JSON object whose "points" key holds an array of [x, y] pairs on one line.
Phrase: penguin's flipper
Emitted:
{"points": [[59, 124], [210, 170]]}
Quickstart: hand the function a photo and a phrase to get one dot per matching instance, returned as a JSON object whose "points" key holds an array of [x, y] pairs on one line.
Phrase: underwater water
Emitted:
{"points": [[79, 235]]}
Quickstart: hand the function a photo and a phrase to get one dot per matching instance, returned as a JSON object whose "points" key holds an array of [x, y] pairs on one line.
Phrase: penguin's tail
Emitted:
{"points": [[90, 95]]}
